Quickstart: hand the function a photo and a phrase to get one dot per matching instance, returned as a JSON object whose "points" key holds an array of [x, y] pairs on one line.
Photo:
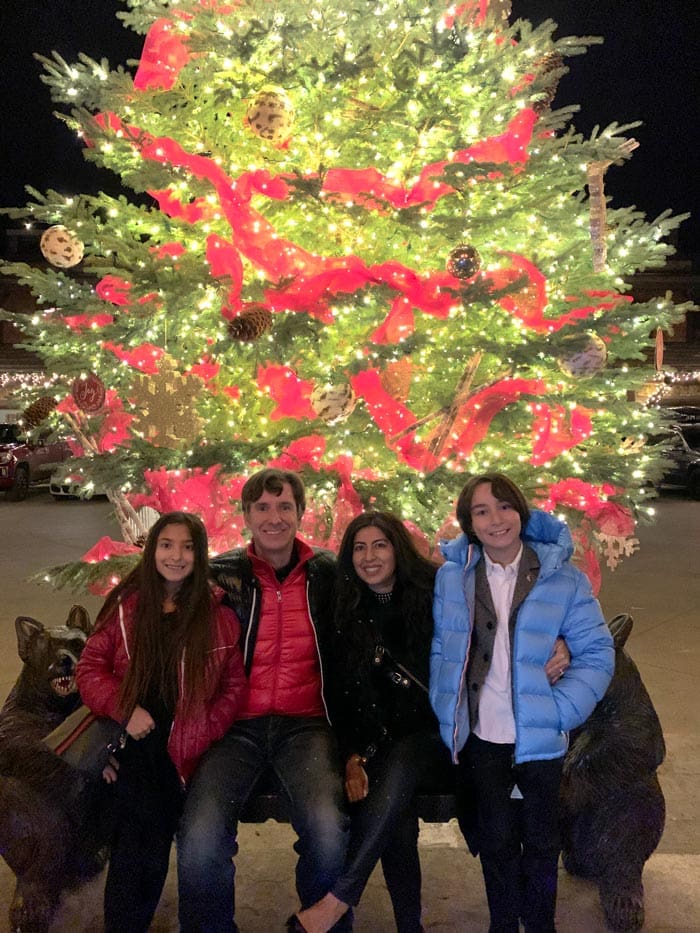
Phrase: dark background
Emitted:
{"points": [[646, 70]]}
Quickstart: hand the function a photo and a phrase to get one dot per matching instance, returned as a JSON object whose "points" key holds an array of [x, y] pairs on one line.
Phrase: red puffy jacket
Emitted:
{"points": [[104, 662]]}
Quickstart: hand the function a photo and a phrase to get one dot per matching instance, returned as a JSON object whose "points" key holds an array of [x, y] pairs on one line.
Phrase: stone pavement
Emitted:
{"points": [[660, 586]]}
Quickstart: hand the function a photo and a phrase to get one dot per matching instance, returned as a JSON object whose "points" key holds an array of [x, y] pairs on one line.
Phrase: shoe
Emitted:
{"points": [[294, 925]]}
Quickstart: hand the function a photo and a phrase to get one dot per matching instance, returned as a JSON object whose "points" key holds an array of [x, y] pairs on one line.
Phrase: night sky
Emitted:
{"points": [[646, 70]]}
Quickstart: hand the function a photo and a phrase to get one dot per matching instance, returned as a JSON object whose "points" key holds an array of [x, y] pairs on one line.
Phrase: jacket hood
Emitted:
{"points": [[549, 537]]}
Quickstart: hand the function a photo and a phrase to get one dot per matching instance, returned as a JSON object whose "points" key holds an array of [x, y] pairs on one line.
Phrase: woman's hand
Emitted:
{"points": [[110, 770], [140, 723], [356, 780], [558, 663]]}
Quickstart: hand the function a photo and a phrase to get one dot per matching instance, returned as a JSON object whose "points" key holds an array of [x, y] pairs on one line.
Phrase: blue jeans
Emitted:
{"points": [[302, 753], [385, 826]]}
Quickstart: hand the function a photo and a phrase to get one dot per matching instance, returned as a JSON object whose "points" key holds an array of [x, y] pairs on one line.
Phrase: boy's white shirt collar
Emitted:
{"points": [[492, 565]]}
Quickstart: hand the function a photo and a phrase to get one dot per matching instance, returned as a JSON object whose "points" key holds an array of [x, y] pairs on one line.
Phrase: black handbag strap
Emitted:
{"points": [[397, 672]]}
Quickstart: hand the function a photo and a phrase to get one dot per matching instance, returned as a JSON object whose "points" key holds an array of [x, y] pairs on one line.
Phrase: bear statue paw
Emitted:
{"points": [[31, 911], [624, 910], [573, 865]]}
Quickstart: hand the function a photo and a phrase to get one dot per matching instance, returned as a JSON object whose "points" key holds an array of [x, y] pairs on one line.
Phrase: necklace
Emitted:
{"points": [[383, 598]]}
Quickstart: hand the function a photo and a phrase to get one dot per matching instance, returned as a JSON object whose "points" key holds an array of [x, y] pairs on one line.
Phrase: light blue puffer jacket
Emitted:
{"points": [[560, 603]]}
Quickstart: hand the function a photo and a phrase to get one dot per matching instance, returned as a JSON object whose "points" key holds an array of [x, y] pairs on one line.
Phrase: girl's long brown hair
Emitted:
{"points": [[151, 641]]}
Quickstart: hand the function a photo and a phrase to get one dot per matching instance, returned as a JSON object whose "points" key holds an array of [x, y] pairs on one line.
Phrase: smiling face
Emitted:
{"points": [[174, 556], [374, 559], [273, 521], [496, 523]]}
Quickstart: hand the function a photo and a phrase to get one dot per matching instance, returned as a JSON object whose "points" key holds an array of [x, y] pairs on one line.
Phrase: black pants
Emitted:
{"points": [[518, 838], [385, 826], [148, 802]]}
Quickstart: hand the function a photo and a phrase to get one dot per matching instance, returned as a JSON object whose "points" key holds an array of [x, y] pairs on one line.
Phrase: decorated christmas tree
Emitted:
{"points": [[357, 240]]}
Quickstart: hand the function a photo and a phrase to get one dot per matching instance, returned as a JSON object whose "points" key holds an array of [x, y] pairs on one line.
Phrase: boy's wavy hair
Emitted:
{"points": [[502, 488], [150, 667]]}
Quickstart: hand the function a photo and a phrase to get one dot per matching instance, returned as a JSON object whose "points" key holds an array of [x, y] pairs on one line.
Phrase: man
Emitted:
{"points": [[283, 591]]}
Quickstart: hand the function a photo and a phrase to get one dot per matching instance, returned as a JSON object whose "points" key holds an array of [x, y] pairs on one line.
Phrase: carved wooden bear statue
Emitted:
{"points": [[613, 807], [53, 824]]}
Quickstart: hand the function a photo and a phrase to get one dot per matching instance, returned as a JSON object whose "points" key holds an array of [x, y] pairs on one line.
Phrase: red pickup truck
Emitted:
{"points": [[23, 461]]}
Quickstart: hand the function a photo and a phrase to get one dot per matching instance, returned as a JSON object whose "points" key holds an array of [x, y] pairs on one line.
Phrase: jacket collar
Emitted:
{"points": [[304, 552]]}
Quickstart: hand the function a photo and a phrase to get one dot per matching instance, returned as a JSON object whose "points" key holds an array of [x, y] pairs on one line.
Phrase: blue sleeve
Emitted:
{"points": [[592, 656]]}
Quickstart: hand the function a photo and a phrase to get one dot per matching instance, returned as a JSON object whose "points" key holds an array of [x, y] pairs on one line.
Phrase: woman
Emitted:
{"points": [[506, 592], [388, 733], [164, 659]]}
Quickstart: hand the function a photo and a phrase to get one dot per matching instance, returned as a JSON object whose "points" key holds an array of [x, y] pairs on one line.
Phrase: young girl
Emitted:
{"points": [[164, 659], [505, 593], [387, 731]]}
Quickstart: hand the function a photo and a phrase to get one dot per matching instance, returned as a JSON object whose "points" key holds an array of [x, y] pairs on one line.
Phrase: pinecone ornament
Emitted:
{"points": [[250, 325], [551, 62], [39, 411]]}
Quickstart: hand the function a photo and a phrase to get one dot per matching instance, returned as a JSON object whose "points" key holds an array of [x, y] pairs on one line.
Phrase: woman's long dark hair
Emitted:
{"points": [[151, 639], [415, 577]]}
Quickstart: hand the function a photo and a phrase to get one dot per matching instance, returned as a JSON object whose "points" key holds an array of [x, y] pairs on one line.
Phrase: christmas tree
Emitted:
{"points": [[359, 242]]}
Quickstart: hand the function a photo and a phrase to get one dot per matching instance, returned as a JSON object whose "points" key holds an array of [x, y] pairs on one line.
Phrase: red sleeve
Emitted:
{"points": [[232, 680]]}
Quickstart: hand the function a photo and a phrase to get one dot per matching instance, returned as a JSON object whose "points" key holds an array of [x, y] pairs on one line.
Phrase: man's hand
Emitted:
{"points": [[556, 667]]}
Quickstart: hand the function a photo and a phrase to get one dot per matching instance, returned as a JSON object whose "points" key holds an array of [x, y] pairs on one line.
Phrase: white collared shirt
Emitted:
{"points": [[496, 722]]}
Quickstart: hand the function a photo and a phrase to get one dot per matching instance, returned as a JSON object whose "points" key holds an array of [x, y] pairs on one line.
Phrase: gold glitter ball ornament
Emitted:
{"points": [[270, 115], [333, 404], [585, 355], [60, 247]]}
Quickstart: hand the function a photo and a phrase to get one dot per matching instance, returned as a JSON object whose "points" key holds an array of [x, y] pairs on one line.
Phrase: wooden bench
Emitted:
{"points": [[271, 805]]}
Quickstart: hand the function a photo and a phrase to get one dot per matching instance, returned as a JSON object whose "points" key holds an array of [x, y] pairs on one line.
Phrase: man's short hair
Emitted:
{"points": [[271, 480]]}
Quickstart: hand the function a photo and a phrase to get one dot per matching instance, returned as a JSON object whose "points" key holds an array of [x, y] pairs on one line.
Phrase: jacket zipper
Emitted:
{"points": [[249, 627], [318, 649], [455, 753]]}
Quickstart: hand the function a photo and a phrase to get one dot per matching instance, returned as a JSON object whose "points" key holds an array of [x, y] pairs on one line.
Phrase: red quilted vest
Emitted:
{"points": [[285, 678]]}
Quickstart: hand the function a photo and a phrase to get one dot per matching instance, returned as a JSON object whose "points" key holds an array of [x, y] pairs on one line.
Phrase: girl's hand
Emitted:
{"points": [[140, 723], [356, 780]]}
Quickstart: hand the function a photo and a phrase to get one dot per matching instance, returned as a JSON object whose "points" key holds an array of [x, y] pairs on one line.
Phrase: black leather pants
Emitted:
{"points": [[385, 826]]}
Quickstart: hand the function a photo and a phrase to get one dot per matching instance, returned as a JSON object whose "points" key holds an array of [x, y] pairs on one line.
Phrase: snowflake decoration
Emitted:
{"points": [[165, 415], [614, 548]]}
